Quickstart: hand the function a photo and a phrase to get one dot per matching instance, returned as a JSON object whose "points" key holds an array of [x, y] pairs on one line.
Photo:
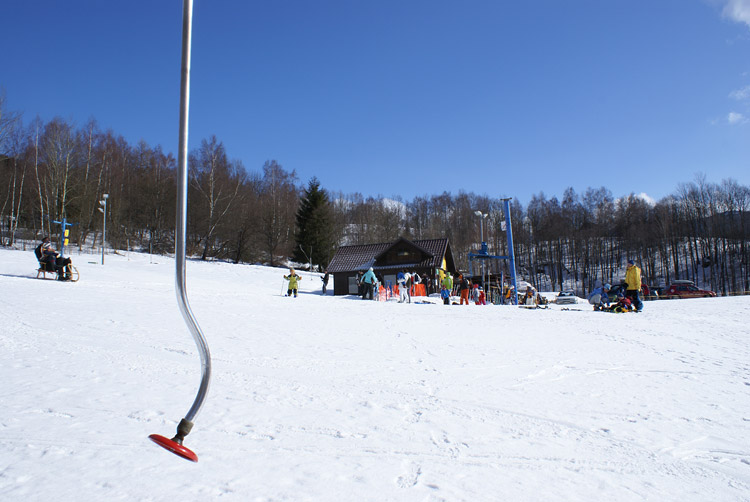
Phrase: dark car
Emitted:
{"points": [[646, 292], [686, 289]]}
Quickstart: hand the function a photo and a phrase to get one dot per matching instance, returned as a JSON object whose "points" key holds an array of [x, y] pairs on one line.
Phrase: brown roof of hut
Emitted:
{"points": [[403, 253]]}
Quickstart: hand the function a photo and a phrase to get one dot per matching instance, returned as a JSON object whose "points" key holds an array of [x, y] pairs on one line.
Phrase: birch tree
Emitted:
{"points": [[217, 181]]}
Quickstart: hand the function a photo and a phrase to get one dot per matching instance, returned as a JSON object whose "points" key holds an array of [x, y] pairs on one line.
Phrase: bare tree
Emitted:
{"points": [[60, 154], [217, 181], [278, 206], [14, 172]]}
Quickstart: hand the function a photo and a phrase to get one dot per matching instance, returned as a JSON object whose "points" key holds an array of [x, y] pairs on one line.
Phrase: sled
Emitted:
{"points": [[71, 272], [619, 310]]}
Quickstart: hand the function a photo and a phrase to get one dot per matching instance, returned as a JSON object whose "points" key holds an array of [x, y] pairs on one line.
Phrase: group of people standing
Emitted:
{"points": [[405, 281], [369, 282], [465, 290]]}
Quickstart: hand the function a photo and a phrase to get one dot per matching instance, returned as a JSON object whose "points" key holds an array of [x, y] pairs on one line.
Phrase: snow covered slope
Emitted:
{"points": [[339, 399]]}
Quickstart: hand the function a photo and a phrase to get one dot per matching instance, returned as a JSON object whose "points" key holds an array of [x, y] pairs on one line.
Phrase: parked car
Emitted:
{"points": [[566, 298], [646, 292], [686, 289]]}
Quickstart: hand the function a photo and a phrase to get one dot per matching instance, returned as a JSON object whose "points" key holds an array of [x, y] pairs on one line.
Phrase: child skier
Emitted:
{"points": [[445, 294], [475, 294], [481, 299], [293, 279]]}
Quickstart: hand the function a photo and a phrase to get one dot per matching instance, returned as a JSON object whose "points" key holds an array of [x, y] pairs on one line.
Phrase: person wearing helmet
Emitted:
{"points": [[599, 297]]}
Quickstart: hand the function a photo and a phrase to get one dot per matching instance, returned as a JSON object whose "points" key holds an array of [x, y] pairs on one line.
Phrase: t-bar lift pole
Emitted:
{"points": [[186, 424]]}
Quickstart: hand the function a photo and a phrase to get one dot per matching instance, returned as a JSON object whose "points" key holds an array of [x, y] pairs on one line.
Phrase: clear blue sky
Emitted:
{"points": [[409, 97]]}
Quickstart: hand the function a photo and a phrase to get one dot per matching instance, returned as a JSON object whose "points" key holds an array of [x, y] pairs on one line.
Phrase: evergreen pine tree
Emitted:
{"points": [[314, 226]]}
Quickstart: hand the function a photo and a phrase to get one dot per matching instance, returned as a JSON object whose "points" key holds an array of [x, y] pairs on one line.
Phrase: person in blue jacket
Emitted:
{"points": [[445, 295], [368, 280], [599, 297]]}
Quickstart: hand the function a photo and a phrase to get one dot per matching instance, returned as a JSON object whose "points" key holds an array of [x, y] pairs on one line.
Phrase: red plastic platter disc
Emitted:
{"points": [[175, 448]]}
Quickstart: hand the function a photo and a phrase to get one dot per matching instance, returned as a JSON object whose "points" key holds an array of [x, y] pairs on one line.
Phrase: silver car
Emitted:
{"points": [[566, 298]]}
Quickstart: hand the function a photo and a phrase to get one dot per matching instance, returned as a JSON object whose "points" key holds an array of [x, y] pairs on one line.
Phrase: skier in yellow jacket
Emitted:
{"points": [[293, 279], [633, 285]]}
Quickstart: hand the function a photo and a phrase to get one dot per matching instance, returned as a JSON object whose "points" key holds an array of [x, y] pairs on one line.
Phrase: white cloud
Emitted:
{"points": [[741, 94], [737, 10], [646, 198], [735, 118]]}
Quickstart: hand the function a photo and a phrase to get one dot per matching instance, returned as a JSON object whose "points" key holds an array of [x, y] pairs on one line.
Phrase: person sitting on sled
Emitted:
{"points": [[623, 304], [293, 279], [599, 297], [529, 298], [52, 261]]}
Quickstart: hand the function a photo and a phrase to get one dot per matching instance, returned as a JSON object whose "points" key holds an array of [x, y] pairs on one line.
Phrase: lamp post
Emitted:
{"points": [[482, 217], [103, 210]]}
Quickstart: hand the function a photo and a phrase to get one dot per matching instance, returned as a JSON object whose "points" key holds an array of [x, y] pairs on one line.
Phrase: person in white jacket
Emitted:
{"points": [[404, 283]]}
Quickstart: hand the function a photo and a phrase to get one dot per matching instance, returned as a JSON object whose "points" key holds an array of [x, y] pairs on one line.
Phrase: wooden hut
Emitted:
{"points": [[427, 257]]}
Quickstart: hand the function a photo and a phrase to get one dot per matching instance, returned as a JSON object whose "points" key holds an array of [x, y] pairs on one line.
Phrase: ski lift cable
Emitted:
{"points": [[186, 424]]}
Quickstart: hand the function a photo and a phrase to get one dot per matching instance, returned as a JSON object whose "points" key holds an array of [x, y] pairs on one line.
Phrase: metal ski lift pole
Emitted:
{"points": [[186, 424], [511, 253]]}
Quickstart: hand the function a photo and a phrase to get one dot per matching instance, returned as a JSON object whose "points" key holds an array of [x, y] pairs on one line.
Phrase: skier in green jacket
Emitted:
{"points": [[293, 279]]}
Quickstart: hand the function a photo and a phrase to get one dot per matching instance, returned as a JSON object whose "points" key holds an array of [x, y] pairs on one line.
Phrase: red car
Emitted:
{"points": [[686, 289]]}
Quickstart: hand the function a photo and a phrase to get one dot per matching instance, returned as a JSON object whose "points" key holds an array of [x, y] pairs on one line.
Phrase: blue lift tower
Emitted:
{"points": [[483, 254], [64, 234]]}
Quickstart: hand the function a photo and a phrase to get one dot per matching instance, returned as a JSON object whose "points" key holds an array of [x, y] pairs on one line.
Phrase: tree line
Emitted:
{"points": [[54, 170]]}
